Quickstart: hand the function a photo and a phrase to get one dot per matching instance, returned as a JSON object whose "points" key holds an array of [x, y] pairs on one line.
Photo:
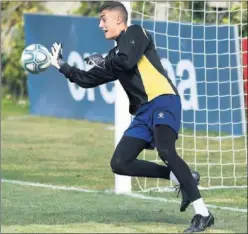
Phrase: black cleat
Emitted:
{"points": [[185, 199], [199, 223]]}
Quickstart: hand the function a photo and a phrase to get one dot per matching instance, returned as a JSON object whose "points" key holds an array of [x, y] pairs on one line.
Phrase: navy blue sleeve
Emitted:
{"points": [[87, 79]]}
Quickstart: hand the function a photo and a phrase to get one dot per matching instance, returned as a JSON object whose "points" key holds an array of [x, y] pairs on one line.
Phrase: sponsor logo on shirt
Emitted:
{"points": [[161, 115]]}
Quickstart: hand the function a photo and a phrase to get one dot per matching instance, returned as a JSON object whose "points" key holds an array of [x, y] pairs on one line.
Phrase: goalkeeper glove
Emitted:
{"points": [[56, 55], [97, 60]]}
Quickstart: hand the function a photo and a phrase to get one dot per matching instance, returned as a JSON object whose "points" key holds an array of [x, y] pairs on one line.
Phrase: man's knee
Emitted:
{"points": [[125, 153], [168, 153], [164, 153], [165, 139], [116, 165]]}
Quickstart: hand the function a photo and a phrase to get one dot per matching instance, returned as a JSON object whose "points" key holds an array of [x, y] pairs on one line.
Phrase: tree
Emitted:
{"points": [[90, 8], [196, 12], [12, 36], [237, 14]]}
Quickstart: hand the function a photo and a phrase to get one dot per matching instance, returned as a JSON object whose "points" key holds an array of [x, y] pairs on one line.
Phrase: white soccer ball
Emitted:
{"points": [[35, 58]]}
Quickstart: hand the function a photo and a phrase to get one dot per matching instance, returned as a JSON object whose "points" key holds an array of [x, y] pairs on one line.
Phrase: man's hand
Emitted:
{"points": [[56, 55], [97, 60]]}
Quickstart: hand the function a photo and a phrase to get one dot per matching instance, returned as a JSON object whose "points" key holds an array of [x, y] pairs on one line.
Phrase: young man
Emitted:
{"points": [[154, 101]]}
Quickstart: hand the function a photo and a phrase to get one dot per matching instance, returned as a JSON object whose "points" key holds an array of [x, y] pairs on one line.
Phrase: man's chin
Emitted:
{"points": [[107, 37]]}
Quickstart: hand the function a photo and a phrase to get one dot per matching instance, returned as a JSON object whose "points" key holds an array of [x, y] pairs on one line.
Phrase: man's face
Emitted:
{"points": [[109, 22]]}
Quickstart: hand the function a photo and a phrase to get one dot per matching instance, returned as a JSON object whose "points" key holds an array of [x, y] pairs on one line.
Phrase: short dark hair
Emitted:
{"points": [[115, 5]]}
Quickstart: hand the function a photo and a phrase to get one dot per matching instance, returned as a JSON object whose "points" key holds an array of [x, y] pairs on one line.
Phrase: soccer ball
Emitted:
{"points": [[35, 58]]}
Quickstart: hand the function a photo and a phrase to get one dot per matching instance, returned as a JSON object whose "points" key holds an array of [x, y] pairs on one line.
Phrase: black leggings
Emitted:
{"points": [[125, 162]]}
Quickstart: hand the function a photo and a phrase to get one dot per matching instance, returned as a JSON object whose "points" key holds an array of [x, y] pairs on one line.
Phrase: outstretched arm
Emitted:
{"points": [[92, 78], [85, 79]]}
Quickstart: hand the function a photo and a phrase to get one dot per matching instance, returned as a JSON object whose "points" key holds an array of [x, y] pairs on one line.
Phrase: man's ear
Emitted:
{"points": [[119, 19]]}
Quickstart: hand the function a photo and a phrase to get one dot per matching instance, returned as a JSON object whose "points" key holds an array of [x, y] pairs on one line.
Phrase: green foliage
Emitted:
{"points": [[13, 75], [89, 8], [236, 15], [196, 12], [143, 10], [239, 16]]}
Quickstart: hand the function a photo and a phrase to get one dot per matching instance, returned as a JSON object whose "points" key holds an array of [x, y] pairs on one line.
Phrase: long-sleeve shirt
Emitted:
{"points": [[135, 63]]}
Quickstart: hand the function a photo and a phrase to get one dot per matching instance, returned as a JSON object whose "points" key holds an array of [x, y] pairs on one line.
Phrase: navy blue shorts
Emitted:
{"points": [[164, 109]]}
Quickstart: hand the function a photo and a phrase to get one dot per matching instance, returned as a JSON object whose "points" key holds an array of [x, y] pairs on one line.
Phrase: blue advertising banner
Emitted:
{"points": [[202, 61], [50, 93]]}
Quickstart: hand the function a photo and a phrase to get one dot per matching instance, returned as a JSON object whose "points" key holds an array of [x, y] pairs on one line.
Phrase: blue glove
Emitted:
{"points": [[97, 60]]}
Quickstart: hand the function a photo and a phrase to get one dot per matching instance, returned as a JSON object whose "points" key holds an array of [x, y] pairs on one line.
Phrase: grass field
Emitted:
{"points": [[77, 153]]}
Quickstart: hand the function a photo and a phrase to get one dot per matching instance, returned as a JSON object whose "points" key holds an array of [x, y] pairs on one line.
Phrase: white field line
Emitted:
{"points": [[171, 189], [11, 118], [140, 196], [134, 195], [55, 187]]}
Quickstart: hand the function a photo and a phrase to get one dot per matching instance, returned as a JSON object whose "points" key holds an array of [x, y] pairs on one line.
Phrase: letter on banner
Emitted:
{"points": [[190, 83], [78, 93], [169, 68], [108, 96]]}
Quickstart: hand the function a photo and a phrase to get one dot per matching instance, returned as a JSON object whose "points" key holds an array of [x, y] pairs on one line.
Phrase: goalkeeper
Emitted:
{"points": [[154, 101]]}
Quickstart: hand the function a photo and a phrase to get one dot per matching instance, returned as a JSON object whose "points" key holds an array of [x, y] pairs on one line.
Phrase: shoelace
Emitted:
{"points": [[177, 189], [196, 219]]}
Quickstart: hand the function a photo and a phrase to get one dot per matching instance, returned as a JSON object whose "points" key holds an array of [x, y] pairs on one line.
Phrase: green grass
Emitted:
{"points": [[12, 108], [28, 209], [77, 153]]}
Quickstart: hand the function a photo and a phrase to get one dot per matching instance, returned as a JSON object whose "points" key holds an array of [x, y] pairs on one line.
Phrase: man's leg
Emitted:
{"points": [[125, 162], [165, 139]]}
